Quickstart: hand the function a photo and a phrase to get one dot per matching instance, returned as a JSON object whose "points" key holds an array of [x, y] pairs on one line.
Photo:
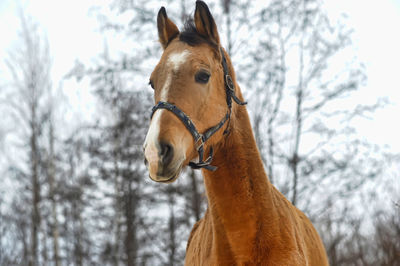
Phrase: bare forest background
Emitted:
{"points": [[77, 193]]}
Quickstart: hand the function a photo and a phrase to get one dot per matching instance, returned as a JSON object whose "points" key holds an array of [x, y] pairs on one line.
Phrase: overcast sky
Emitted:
{"points": [[72, 32]]}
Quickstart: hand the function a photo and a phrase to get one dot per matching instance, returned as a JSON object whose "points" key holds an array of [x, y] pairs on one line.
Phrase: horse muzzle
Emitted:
{"points": [[162, 162]]}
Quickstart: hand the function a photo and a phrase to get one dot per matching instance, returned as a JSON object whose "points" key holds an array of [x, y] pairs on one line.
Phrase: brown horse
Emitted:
{"points": [[248, 222]]}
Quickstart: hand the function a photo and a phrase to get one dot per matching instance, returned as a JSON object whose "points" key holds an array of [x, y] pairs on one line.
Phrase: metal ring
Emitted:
{"points": [[229, 82], [196, 143]]}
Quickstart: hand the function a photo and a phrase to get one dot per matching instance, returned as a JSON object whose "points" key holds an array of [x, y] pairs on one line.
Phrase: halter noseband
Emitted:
{"points": [[200, 139]]}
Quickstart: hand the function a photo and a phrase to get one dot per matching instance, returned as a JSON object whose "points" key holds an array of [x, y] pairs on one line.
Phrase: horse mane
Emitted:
{"points": [[191, 36]]}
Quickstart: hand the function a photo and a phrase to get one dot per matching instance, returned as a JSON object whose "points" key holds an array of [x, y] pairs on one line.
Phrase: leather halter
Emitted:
{"points": [[200, 139]]}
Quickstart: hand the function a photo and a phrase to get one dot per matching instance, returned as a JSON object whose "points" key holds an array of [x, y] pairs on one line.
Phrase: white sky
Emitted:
{"points": [[72, 32]]}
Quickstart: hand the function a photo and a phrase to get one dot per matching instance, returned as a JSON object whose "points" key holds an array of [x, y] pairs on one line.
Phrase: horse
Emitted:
{"points": [[200, 116]]}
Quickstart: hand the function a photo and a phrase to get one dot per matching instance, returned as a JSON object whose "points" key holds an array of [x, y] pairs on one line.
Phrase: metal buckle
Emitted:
{"points": [[197, 144], [229, 82]]}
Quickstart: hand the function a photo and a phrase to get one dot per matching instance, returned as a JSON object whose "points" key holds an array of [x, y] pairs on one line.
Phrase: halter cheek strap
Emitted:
{"points": [[200, 139]]}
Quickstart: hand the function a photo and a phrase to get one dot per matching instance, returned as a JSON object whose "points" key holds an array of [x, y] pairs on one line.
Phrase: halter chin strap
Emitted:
{"points": [[200, 139]]}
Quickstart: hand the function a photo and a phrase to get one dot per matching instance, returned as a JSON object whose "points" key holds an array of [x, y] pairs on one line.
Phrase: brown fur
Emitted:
{"points": [[248, 222]]}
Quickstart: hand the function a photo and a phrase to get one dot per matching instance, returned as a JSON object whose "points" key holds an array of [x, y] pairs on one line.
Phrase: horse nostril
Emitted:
{"points": [[166, 153]]}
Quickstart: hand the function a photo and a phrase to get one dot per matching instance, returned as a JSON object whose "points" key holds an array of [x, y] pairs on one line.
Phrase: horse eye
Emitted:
{"points": [[151, 84], [202, 77]]}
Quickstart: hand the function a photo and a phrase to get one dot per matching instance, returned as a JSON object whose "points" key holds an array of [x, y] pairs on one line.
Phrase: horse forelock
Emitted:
{"points": [[192, 37]]}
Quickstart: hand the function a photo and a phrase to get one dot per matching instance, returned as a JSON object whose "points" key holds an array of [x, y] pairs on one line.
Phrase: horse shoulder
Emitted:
{"points": [[199, 246], [302, 244]]}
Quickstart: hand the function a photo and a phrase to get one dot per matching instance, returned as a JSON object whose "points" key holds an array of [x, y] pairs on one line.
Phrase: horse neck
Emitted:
{"points": [[239, 192]]}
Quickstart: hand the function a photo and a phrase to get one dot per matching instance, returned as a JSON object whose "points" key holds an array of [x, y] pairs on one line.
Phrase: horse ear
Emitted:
{"points": [[204, 21], [167, 30]]}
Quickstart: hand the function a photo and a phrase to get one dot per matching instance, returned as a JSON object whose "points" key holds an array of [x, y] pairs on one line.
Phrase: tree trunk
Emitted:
{"points": [[196, 198], [35, 181], [51, 171], [78, 228], [130, 239], [294, 161], [25, 245], [227, 11], [172, 229], [117, 204], [44, 252]]}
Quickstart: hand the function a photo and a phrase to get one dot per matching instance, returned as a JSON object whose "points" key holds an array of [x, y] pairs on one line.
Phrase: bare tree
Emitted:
{"points": [[292, 93], [72, 192], [387, 234], [51, 176], [29, 65]]}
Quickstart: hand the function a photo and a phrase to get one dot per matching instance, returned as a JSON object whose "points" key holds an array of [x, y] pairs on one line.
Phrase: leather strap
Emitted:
{"points": [[199, 138]]}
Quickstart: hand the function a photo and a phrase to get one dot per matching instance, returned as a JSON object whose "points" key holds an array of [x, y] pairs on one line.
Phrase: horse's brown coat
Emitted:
{"points": [[248, 222]]}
